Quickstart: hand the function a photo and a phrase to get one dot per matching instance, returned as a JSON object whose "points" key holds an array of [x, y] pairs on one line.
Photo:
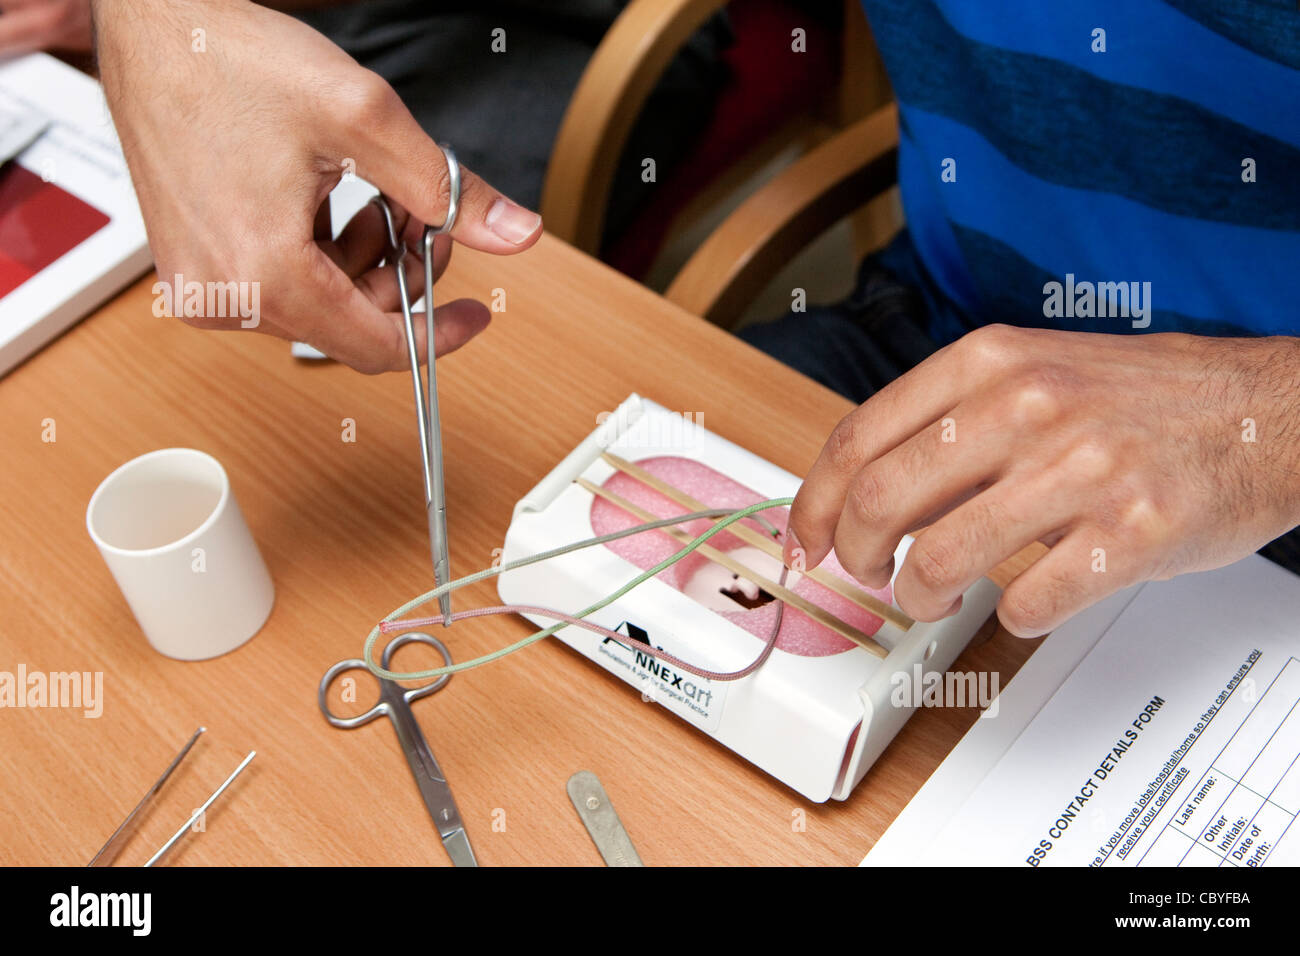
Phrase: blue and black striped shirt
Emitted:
{"points": [[1101, 165]]}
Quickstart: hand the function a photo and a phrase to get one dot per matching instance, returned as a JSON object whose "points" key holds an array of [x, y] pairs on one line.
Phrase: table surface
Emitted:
{"points": [[341, 526]]}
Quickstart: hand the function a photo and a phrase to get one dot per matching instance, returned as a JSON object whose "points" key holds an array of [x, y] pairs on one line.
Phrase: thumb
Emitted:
{"points": [[410, 168]]}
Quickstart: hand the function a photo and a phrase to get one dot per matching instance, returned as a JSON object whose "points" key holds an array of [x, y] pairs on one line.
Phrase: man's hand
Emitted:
{"points": [[1132, 458], [236, 122], [27, 25]]}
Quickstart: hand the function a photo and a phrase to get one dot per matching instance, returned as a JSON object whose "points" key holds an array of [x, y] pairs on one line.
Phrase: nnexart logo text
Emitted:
{"points": [[697, 696]]}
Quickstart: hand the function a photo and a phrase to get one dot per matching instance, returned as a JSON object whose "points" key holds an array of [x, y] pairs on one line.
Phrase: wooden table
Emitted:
{"points": [[342, 529]]}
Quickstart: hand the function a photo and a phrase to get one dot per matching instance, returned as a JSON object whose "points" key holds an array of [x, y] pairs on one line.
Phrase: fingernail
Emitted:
{"points": [[512, 223], [793, 555]]}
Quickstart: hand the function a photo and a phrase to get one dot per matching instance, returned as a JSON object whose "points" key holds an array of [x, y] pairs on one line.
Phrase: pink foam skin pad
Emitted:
{"points": [[799, 633]]}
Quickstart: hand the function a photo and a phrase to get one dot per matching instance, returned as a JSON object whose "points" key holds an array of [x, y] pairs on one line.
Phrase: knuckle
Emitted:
{"points": [[842, 447], [1026, 612], [935, 563], [866, 498], [369, 99], [1036, 400], [1143, 523], [992, 345], [440, 184], [431, 170], [1091, 460]]}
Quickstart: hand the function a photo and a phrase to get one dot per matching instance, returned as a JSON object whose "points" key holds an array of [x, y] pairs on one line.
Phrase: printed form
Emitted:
{"points": [[1173, 742]]}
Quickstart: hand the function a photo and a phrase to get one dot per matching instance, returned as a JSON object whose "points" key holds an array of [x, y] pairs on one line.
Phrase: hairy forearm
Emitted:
{"points": [[115, 22], [1257, 383], [1276, 387], [131, 38]]}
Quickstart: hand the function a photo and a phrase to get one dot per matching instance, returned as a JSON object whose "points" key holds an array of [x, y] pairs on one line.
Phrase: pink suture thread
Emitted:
{"points": [[386, 627]]}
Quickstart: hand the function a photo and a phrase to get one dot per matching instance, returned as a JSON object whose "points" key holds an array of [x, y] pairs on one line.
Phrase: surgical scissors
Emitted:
{"points": [[395, 704], [426, 393]]}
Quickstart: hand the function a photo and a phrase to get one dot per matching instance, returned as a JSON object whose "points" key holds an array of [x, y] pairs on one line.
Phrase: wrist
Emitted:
{"points": [[1249, 397], [115, 22], [1272, 403], [1289, 356]]}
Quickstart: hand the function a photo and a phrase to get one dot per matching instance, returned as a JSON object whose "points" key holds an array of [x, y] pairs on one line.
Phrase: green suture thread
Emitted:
{"points": [[731, 517]]}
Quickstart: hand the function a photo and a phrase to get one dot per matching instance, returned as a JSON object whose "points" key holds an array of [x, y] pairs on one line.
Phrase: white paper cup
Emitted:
{"points": [[171, 533]]}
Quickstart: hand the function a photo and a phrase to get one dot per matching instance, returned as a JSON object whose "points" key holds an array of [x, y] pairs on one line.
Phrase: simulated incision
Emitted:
{"points": [[731, 596]]}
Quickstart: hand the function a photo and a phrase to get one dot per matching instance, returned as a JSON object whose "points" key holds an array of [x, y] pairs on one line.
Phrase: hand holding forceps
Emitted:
{"points": [[395, 704], [426, 393]]}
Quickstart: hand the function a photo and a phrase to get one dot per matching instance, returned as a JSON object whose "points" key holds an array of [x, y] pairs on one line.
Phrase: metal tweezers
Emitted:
{"points": [[426, 393], [109, 851]]}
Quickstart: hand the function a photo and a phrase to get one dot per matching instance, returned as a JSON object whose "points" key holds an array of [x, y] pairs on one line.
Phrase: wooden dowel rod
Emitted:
{"points": [[819, 614], [834, 582]]}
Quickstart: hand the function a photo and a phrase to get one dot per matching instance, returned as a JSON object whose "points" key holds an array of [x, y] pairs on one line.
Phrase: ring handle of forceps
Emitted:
{"points": [[395, 244], [381, 708]]}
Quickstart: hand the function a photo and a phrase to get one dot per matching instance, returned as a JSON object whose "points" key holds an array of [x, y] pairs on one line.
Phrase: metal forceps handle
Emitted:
{"points": [[426, 392], [390, 691]]}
